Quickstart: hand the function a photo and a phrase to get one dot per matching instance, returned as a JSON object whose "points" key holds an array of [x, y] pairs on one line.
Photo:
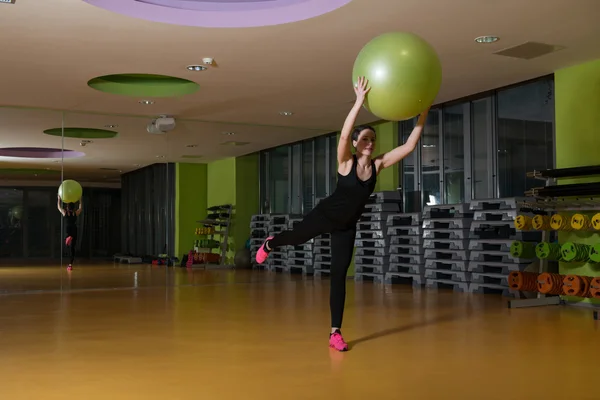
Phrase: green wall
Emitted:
{"points": [[247, 196], [190, 204], [577, 108]]}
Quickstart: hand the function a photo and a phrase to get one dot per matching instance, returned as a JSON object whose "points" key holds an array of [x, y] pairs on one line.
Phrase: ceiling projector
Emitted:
{"points": [[161, 125]]}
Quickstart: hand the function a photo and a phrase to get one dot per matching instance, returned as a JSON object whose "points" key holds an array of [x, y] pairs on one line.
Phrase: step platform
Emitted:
{"points": [[367, 260], [322, 265], [447, 284], [410, 269], [300, 254], [371, 252], [305, 270], [299, 261], [382, 207], [446, 244], [406, 249], [490, 244], [451, 234], [128, 260], [407, 219], [321, 273], [406, 240], [449, 265], [509, 203], [497, 215], [416, 259], [370, 243], [368, 277], [392, 278], [323, 258], [487, 267], [374, 216], [447, 223], [371, 226], [490, 279], [447, 211], [439, 274], [404, 231], [435, 254], [496, 256], [374, 234], [386, 196], [502, 230], [370, 269]]}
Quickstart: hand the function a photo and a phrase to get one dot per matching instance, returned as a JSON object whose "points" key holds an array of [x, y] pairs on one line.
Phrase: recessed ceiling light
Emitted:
{"points": [[487, 39], [160, 156], [233, 143], [286, 113], [196, 68], [146, 102], [191, 145], [228, 133], [111, 126], [137, 165]]}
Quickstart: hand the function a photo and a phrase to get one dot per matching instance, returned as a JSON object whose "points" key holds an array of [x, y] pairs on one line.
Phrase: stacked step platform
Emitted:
{"points": [[259, 230], [405, 235], [372, 256], [277, 260], [300, 257], [492, 233], [446, 246]]}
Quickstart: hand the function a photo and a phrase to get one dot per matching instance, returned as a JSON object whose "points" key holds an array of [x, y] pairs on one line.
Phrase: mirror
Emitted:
{"points": [[30, 225]]}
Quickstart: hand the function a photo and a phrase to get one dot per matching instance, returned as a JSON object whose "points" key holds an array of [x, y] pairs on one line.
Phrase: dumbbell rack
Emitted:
{"points": [[277, 260], [219, 217], [492, 233], [405, 233], [372, 258], [445, 244], [300, 257], [552, 198], [259, 230]]}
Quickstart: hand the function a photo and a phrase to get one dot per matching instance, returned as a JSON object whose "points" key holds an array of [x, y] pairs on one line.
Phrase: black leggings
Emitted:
{"points": [[73, 233], [342, 246]]}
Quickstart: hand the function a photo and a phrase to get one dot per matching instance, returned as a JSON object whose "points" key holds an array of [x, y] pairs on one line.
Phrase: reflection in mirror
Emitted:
{"points": [[30, 225]]}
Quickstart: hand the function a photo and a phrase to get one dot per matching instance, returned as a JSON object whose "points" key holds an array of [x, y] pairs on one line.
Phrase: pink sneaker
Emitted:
{"points": [[68, 241], [70, 268], [262, 253], [336, 341]]}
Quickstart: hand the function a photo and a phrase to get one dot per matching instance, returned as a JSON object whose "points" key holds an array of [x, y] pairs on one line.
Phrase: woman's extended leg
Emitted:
{"points": [[314, 224], [342, 247]]}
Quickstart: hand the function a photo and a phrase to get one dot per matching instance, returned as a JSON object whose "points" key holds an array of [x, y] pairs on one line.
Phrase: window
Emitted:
{"points": [[484, 146], [525, 127], [293, 177], [456, 127]]}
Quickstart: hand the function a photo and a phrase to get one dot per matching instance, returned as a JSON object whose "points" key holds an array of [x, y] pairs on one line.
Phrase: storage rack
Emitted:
{"points": [[218, 217], [372, 258], [445, 244], [562, 198]]}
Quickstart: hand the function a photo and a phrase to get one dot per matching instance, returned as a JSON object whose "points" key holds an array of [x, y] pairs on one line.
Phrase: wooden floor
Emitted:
{"points": [[211, 335]]}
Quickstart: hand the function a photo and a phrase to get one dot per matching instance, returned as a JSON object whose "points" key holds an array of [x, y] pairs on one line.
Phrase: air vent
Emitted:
{"points": [[232, 143], [529, 50]]}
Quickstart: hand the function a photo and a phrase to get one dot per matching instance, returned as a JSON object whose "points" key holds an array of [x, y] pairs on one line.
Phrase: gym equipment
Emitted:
{"points": [[595, 288], [577, 285], [548, 283], [596, 222], [548, 251], [560, 222], [541, 223], [580, 222], [242, 259], [522, 249], [523, 281], [574, 252], [404, 74], [594, 253], [523, 223], [70, 191]]}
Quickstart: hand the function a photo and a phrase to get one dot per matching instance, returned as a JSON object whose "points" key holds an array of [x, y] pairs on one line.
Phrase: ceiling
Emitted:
{"points": [[304, 67]]}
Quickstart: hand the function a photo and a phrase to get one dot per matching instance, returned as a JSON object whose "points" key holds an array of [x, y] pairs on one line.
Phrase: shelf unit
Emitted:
{"points": [[553, 198], [219, 218]]}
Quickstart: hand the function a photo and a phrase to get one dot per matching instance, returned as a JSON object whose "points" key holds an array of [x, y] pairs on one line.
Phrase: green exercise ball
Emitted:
{"points": [[404, 74], [70, 191]]}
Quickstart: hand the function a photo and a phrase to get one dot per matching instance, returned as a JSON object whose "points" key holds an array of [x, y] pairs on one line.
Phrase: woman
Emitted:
{"points": [[339, 213], [70, 215]]}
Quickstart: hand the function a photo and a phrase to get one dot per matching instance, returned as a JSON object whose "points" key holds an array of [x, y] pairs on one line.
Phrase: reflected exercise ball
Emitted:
{"points": [[70, 191], [16, 212], [404, 74]]}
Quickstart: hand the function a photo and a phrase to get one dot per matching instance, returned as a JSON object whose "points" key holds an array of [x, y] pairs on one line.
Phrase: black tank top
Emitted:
{"points": [[347, 202], [70, 219]]}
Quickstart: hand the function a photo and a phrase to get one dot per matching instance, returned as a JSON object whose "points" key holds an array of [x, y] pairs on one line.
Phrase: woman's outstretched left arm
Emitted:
{"points": [[396, 155]]}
